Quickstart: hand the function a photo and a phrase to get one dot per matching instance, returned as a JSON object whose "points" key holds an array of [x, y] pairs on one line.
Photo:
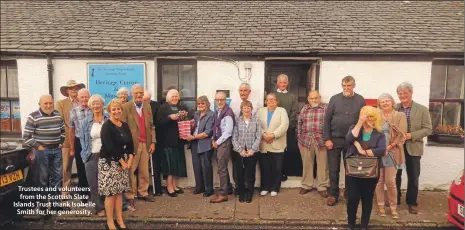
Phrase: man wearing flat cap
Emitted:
{"points": [[64, 107]]}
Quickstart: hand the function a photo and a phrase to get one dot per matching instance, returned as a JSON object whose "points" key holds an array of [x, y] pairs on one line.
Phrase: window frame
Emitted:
{"points": [[178, 62], [11, 133], [439, 138]]}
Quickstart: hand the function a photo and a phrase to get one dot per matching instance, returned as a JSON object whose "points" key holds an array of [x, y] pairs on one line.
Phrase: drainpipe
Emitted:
{"points": [[50, 74]]}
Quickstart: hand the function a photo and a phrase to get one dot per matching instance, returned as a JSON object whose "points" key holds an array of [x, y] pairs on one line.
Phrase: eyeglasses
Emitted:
{"points": [[201, 103], [220, 99]]}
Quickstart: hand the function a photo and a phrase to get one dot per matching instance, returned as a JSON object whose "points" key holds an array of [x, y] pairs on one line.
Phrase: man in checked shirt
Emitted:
{"points": [[310, 137]]}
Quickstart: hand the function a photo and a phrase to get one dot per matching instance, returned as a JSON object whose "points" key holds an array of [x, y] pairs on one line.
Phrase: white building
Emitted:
{"points": [[200, 47]]}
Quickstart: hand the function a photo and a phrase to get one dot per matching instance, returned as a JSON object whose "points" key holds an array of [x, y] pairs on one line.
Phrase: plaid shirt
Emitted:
{"points": [[407, 113], [76, 116], [310, 125], [247, 136]]}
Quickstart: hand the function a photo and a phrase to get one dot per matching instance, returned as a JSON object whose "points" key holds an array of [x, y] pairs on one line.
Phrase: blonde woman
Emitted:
{"points": [[366, 138], [394, 127]]}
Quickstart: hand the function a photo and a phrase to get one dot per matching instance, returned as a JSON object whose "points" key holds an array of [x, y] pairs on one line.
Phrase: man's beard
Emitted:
{"points": [[313, 105], [346, 93]]}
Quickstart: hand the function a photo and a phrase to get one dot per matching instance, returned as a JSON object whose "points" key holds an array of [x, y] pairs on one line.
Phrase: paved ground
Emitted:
{"points": [[287, 209]]}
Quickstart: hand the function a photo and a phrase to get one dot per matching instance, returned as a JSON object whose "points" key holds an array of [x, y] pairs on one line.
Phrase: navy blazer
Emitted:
{"points": [[205, 126], [377, 143]]}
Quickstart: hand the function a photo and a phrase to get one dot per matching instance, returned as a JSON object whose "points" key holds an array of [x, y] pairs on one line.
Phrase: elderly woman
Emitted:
{"points": [[366, 138], [91, 144], [274, 123], [116, 156], [246, 142], [394, 127], [123, 94], [202, 148], [174, 161]]}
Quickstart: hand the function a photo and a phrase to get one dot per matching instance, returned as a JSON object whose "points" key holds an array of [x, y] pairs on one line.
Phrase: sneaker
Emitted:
{"points": [[274, 193], [263, 193], [381, 211], [395, 214]]}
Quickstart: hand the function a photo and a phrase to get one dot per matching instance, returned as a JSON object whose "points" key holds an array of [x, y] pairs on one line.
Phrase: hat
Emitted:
{"points": [[70, 84]]}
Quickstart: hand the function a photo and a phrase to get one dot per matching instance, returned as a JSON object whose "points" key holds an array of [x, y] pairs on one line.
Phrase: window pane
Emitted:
{"points": [[454, 81], [169, 78], [435, 110], [438, 81], [452, 114], [191, 105], [3, 83], [15, 116], [5, 116], [187, 81]]}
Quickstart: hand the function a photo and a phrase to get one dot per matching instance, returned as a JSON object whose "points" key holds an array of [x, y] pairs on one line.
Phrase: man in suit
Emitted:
{"points": [[156, 161], [138, 115], [64, 106], [418, 127]]}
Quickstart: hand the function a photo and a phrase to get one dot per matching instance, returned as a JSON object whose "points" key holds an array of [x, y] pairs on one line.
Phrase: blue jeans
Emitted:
{"points": [[50, 168]]}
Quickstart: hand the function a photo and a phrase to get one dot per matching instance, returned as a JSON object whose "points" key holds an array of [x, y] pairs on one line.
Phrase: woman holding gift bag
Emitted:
{"points": [[366, 138], [172, 146]]}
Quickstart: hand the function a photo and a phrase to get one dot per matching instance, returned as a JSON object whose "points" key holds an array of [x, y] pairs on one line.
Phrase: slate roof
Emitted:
{"points": [[232, 26]]}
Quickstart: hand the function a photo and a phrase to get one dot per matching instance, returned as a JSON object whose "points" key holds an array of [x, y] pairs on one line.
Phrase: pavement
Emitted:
{"points": [[287, 209]]}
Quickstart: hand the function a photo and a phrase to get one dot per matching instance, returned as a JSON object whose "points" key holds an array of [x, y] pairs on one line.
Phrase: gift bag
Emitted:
{"points": [[184, 128]]}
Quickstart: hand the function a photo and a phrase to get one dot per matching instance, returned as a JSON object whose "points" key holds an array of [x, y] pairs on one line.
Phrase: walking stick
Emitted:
{"points": [[153, 176]]}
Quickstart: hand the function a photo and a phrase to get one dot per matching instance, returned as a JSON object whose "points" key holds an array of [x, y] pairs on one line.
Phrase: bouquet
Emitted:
{"points": [[184, 125]]}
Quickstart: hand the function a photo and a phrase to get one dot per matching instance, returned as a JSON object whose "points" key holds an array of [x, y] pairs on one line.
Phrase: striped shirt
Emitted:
{"points": [[77, 115], [407, 113], [44, 129]]}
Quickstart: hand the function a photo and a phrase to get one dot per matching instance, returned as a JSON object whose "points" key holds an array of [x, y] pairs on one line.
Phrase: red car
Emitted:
{"points": [[455, 199]]}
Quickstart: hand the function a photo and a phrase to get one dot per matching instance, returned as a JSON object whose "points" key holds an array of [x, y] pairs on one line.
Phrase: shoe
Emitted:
{"points": [[304, 191], [198, 192], [248, 197], [147, 198], [118, 226], [179, 191], [394, 214], [381, 211], [274, 193], [242, 197], [158, 194], [172, 194], [208, 194], [132, 205], [284, 178], [263, 193], [323, 194], [331, 201], [219, 199], [412, 209]]}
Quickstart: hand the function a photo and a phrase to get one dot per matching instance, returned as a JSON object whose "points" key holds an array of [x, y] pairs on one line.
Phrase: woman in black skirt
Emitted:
{"points": [[116, 157], [174, 160]]}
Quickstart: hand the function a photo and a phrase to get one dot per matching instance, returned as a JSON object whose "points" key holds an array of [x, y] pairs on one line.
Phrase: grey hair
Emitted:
{"points": [[245, 84], [135, 86], [405, 85], [221, 92], [148, 93], [283, 76], [388, 96], [170, 94], [83, 90], [122, 90], [44, 95], [95, 97]]}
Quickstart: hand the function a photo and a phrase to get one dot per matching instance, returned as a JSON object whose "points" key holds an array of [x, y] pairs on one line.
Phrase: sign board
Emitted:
{"points": [[107, 79]]}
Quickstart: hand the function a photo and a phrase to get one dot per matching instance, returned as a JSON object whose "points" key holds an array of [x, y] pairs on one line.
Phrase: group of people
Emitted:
{"points": [[111, 146]]}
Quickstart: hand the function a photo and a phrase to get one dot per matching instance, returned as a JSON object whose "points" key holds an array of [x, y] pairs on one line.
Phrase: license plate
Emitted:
{"points": [[11, 178], [460, 210]]}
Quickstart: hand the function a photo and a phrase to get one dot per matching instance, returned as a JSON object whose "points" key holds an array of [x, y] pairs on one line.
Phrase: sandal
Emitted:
{"points": [[101, 213]]}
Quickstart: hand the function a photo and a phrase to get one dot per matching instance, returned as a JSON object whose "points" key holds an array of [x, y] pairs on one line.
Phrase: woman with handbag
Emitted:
{"points": [[367, 146], [394, 127]]}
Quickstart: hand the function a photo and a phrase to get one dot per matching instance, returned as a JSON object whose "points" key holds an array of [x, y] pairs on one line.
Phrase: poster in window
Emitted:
{"points": [[16, 116], [5, 116], [107, 79]]}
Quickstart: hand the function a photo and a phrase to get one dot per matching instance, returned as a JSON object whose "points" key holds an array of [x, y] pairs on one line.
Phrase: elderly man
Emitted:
{"points": [[418, 127], [63, 107], [157, 161], [342, 112], [138, 115], [243, 95], [288, 101], [310, 137], [77, 116], [45, 133], [222, 143]]}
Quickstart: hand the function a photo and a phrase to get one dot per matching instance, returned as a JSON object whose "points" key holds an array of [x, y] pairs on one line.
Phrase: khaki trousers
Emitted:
{"points": [[67, 168], [141, 162], [308, 156], [387, 176]]}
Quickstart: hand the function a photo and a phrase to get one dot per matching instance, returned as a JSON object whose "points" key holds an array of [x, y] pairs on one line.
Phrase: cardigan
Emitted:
{"points": [[114, 142]]}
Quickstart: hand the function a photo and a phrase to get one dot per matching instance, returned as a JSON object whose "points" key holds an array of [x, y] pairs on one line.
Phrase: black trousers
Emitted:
{"points": [[245, 168], [271, 167], [412, 166], [81, 169], [157, 159], [334, 164], [292, 160], [360, 189], [203, 170], [234, 168]]}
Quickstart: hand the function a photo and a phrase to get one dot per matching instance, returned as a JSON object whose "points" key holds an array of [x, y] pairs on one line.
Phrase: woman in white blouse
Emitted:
{"points": [[91, 144]]}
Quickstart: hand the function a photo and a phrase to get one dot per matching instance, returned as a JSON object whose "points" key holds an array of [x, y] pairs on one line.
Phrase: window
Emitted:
{"points": [[446, 102], [9, 99], [180, 75]]}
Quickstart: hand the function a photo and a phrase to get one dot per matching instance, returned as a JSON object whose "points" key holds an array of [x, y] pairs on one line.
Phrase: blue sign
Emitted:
{"points": [[107, 79]]}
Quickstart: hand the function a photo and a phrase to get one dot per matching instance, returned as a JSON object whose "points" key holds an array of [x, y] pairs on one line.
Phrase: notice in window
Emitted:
{"points": [[5, 116], [16, 116]]}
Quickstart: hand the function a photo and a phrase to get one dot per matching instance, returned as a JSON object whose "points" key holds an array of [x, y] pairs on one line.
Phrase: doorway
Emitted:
{"points": [[303, 77]]}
